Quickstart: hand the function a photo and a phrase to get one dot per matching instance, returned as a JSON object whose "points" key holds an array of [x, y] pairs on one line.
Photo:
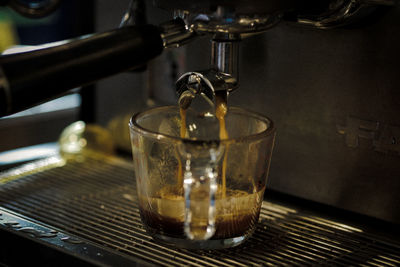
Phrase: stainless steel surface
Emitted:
{"points": [[95, 202], [204, 83], [342, 13], [222, 17], [225, 56], [176, 33], [228, 26], [256, 16], [222, 77], [224, 21]]}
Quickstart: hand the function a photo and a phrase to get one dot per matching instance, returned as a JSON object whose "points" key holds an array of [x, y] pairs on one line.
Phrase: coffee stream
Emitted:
{"points": [[221, 109], [182, 112]]}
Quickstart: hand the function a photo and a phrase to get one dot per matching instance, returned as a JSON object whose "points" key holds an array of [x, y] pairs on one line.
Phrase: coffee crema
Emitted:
{"points": [[237, 212]]}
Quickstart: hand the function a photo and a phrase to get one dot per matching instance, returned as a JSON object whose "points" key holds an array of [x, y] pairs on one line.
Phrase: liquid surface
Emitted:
{"points": [[236, 212]]}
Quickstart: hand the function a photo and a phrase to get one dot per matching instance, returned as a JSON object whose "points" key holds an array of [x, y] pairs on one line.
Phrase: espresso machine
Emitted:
{"points": [[324, 71]]}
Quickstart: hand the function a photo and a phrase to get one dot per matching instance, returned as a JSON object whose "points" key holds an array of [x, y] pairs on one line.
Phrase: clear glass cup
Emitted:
{"points": [[200, 192]]}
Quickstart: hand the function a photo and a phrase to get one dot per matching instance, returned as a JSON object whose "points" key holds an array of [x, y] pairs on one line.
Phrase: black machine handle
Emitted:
{"points": [[31, 78]]}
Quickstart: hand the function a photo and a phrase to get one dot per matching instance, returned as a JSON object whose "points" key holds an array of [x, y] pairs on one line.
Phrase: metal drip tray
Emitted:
{"points": [[88, 208]]}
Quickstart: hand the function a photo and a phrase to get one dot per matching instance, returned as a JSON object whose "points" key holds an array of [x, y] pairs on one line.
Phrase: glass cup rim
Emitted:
{"points": [[269, 131]]}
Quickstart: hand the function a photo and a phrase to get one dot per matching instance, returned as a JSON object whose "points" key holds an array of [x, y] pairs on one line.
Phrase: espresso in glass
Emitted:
{"points": [[201, 179], [238, 211]]}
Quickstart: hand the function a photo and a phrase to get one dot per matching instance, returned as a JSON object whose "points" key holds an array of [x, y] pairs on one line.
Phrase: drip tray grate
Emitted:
{"points": [[95, 200]]}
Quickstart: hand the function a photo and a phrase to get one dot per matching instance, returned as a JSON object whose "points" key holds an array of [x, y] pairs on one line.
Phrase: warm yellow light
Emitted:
{"points": [[8, 36]]}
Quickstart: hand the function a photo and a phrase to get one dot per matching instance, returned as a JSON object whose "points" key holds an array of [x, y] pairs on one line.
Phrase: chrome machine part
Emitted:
{"points": [[224, 20], [230, 21], [225, 57], [342, 12], [222, 77], [227, 24], [206, 84], [232, 17], [249, 17], [176, 33]]}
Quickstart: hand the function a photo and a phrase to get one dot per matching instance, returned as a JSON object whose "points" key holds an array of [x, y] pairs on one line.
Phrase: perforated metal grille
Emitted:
{"points": [[96, 200]]}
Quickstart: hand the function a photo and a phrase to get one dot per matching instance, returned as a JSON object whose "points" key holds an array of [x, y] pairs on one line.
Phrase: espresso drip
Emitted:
{"points": [[221, 109], [182, 112]]}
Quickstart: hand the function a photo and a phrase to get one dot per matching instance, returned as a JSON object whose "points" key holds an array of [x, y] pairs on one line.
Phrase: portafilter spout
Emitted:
{"points": [[226, 27], [207, 84], [220, 79]]}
